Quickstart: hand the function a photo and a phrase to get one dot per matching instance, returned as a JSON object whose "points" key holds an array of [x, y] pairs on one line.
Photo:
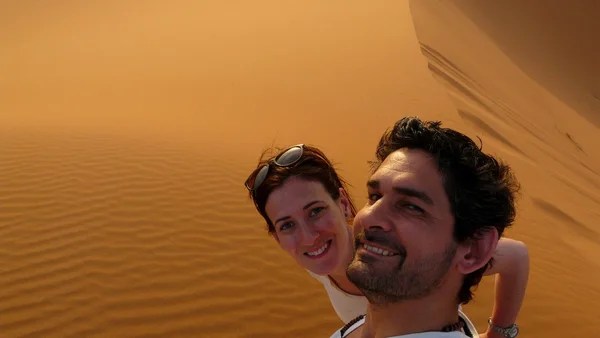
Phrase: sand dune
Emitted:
{"points": [[554, 44], [550, 142], [127, 130], [108, 236]]}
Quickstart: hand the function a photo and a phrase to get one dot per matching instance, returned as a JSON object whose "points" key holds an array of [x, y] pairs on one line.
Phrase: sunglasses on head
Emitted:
{"points": [[286, 158]]}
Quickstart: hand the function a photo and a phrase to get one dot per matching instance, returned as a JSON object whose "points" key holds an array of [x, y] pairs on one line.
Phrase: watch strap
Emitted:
{"points": [[510, 331]]}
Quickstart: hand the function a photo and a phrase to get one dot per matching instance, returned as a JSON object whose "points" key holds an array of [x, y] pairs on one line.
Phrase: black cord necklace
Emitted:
{"points": [[448, 328], [453, 327]]}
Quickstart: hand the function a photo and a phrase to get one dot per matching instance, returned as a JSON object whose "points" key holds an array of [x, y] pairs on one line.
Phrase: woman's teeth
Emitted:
{"points": [[378, 250], [319, 251]]}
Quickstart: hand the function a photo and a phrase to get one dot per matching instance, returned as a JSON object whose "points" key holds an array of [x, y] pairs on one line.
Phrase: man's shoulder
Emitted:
{"points": [[353, 325], [457, 334], [347, 330]]}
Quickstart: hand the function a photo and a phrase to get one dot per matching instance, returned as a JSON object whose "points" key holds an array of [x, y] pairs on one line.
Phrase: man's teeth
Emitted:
{"points": [[377, 250], [319, 251]]}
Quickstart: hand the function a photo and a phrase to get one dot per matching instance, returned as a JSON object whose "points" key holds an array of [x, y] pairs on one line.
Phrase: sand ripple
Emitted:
{"points": [[105, 237]]}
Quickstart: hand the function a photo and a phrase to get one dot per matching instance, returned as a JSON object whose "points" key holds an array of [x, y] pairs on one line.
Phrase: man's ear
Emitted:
{"points": [[477, 252], [345, 203]]}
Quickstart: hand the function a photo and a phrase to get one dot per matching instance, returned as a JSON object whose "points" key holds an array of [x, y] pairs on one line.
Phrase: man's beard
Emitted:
{"points": [[383, 282]]}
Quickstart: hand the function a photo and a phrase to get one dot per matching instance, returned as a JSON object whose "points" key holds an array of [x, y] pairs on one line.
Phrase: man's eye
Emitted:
{"points": [[411, 207], [373, 197]]}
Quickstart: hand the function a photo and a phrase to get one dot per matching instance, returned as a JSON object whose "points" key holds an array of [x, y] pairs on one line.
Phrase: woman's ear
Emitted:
{"points": [[344, 201]]}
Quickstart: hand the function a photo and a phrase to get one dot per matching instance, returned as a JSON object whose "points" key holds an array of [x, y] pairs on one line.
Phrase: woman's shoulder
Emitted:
{"points": [[322, 279], [346, 306]]}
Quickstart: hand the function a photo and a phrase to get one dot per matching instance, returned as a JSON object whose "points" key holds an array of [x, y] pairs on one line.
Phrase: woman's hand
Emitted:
{"points": [[511, 266]]}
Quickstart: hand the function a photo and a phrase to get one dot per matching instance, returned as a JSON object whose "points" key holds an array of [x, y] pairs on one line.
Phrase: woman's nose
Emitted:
{"points": [[309, 234]]}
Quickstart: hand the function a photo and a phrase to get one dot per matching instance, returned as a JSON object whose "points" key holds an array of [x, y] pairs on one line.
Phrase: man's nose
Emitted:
{"points": [[375, 217]]}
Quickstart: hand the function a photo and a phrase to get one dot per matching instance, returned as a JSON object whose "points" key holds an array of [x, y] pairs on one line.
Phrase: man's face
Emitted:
{"points": [[404, 243]]}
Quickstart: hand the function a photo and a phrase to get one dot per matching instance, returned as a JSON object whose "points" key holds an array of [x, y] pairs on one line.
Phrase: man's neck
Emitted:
{"points": [[406, 317]]}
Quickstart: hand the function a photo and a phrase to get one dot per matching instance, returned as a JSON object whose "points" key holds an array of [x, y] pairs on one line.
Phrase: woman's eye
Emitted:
{"points": [[316, 211], [286, 226]]}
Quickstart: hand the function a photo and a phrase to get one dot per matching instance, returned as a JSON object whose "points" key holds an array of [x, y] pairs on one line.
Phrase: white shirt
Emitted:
{"points": [[455, 334], [349, 306], [346, 306]]}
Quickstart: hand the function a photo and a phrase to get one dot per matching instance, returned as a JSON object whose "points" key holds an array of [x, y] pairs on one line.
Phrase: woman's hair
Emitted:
{"points": [[312, 166]]}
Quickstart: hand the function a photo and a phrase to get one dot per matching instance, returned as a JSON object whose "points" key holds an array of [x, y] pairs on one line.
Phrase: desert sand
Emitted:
{"points": [[127, 130]]}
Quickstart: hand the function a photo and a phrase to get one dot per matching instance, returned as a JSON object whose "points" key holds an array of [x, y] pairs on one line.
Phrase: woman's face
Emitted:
{"points": [[310, 226]]}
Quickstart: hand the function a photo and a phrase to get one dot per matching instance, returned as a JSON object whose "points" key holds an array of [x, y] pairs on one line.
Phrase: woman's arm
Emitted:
{"points": [[511, 264]]}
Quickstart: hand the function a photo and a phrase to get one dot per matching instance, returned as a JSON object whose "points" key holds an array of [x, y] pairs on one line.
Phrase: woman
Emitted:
{"points": [[308, 212]]}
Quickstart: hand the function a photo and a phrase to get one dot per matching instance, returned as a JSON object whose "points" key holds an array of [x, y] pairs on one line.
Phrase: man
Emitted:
{"points": [[436, 209]]}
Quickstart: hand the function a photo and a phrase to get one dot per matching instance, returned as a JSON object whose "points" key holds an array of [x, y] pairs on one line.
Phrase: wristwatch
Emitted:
{"points": [[510, 331]]}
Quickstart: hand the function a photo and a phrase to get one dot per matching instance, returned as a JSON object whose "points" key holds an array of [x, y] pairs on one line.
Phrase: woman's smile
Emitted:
{"points": [[320, 251]]}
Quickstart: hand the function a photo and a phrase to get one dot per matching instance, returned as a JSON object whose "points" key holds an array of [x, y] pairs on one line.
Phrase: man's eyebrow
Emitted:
{"points": [[374, 184], [414, 193]]}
